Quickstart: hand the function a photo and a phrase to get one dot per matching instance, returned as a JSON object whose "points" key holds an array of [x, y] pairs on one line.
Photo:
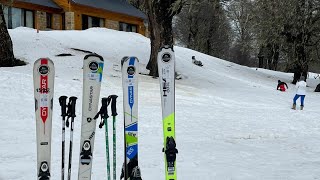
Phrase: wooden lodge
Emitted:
{"points": [[75, 15]]}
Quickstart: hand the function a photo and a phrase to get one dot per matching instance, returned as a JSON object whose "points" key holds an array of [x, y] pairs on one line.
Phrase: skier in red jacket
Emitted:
{"points": [[282, 86]]}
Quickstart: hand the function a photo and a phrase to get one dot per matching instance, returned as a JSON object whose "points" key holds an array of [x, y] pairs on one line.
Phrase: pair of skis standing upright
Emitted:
{"points": [[92, 76]]}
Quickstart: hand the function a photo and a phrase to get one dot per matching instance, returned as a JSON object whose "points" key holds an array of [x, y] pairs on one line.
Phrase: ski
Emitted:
{"points": [[166, 69], [43, 79], [130, 72], [92, 76]]}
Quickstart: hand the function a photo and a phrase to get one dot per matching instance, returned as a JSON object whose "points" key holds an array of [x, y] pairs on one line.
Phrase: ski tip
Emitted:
{"points": [[167, 47], [124, 59], [135, 58], [93, 55], [45, 58]]}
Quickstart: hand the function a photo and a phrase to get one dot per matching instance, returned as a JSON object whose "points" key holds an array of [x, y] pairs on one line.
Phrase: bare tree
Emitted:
{"points": [[6, 47], [301, 33], [240, 13], [160, 14], [203, 26]]}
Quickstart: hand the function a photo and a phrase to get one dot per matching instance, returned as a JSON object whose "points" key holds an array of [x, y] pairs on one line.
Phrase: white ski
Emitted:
{"points": [[43, 79], [166, 69], [130, 74], [92, 76]]}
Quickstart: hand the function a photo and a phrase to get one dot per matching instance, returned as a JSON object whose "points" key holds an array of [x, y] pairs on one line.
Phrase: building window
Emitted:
{"points": [[29, 19], [6, 15], [63, 21], [127, 27], [49, 20], [16, 17], [90, 21]]}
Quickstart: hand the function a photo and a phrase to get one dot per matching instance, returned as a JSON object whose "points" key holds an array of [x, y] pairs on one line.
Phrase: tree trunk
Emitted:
{"points": [[160, 16], [6, 48], [275, 56]]}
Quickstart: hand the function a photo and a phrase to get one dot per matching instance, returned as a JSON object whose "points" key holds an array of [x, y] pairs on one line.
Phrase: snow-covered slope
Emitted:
{"points": [[231, 122]]}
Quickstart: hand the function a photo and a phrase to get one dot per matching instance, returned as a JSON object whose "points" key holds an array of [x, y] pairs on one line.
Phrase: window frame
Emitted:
{"points": [[23, 17], [87, 24], [127, 27]]}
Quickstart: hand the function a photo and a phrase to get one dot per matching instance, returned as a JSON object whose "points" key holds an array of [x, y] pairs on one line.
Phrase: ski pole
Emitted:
{"points": [[114, 114], [71, 113], [103, 112], [63, 101]]}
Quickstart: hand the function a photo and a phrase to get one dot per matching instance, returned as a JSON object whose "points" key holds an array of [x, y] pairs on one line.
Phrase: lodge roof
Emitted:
{"points": [[47, 3], [118, 6]]}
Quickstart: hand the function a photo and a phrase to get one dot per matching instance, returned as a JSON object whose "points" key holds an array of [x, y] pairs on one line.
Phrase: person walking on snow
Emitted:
{"points": [[301, 93], [282, 86]]}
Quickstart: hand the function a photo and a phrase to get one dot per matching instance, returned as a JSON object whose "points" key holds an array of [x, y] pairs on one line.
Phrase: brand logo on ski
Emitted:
{"points": [[165, 87], [131, 70], [91, 136], [43, 90], [131, 96], [94, 66], [43, 69], [89, 120], [90, 98], [166, 57]]}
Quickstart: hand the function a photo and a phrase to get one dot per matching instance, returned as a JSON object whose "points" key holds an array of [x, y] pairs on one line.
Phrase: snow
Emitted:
{"points": [[231, 123]]}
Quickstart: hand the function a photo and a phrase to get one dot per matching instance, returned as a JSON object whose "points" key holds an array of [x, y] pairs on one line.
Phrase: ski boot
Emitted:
{"points": [[301, 107], [294, 107]]}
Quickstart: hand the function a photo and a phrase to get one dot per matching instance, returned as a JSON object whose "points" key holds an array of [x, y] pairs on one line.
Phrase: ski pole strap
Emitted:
{"points": [[63, 104], [103, 112], [114, 105]]}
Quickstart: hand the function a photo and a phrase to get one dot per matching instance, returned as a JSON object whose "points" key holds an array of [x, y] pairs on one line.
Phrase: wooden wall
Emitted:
{"points": [[35, 7], [64, 5], [80, 9]]}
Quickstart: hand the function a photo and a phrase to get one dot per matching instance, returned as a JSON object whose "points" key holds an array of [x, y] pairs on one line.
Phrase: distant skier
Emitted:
{"points": [[282, 86], [196, 62], [301, 92]]}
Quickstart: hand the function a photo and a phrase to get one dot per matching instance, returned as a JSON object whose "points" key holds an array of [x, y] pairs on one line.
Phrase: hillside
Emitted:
{"points": [[231, 122]]}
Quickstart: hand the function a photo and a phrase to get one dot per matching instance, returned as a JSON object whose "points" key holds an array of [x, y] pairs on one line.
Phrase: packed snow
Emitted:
{"points": [[231, 122]]}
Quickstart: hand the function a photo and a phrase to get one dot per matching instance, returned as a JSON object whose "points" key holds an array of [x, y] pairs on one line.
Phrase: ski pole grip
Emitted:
{"points": [[63, 104], [114, 105], [104, 102], [72, 101]]}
